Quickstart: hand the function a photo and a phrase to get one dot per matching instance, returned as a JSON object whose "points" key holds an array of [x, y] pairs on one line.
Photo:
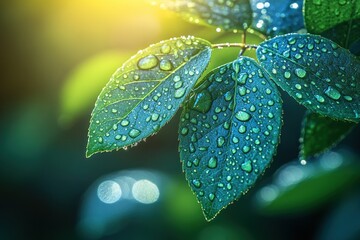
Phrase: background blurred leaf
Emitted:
{"points": [[342, 222], [346, 34], [316, 72], [298, 188], [86, 81], [274, 17], [321, 133], [321, 15], [227, 15]]}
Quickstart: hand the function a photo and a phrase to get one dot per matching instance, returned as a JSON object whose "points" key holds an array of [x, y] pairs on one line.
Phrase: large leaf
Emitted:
{"points": [[321, 133], [315, 71], [229, 132], [346, 34], [227, 15], [146, 92], [274, 17], [84, 83], [321, 15]]}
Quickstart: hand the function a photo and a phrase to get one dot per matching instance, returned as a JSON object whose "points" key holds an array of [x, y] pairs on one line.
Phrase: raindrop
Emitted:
{"points": [[179, 93], [246, 166], [212, 162], [165, 65], [134, 133], [243, 116], [301, 73], [148, 62], [332, 93]]}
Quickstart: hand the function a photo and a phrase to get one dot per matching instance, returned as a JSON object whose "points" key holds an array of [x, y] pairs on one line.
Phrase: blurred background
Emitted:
{"points": [[55, 58]]}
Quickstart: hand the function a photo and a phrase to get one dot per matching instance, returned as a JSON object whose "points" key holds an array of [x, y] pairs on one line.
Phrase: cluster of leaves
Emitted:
{"points": [[231, 119]]}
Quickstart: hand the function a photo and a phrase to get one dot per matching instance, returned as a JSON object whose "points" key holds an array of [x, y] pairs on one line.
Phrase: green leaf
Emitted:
{"points": [[227, 15], [346, 34], [321, 133], [321, 15], [84, 83], [274, 17], [297, 189], [229, 132], [145, 93], [317, 72]]}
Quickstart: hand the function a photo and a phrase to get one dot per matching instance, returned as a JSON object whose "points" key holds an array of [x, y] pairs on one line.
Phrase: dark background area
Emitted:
{"points": [[49, 189]]}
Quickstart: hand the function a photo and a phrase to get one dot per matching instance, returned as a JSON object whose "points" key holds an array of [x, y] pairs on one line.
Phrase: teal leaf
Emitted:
{"points": [[315, 71], [346, 34], [274, 17], [321, 133], [229, 132], [227, 15], [145, 93], [321, 15]]}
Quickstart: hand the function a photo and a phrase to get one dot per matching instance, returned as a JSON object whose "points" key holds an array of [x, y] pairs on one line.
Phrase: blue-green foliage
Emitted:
{"points": [[230, 125], [145, 93], [274, 17], [317, 72], [229, 131]]}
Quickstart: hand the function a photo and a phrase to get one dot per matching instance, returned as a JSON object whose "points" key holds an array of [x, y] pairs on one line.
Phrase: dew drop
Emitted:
{"points": [[134, 133], [211, 196], [124, 123], [184, 131], [220, 141], [287, 75], [301, 73], [246, 166], [212, 162], [243, 116], [165, 65], [332, 93], [242, 78], [246, 149], [319, 98], [348, 98], [165, 48], [179, 93], [196, 183], [148, 62]]}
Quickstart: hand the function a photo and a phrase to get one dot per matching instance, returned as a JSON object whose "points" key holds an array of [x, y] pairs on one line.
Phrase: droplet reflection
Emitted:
{"points": [[109, 192], [145, 191]]}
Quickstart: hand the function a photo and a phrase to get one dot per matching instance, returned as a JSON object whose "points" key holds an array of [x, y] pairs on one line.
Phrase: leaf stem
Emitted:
{"points": [[243, 50], [239, 45]]}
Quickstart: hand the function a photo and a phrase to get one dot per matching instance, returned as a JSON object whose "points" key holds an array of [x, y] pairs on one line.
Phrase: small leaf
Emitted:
{"points": [[346, 34], [274, 17], [315, 71], [321, 15], [321, 133], [145, 93], [229, 132], [227, 15]]}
